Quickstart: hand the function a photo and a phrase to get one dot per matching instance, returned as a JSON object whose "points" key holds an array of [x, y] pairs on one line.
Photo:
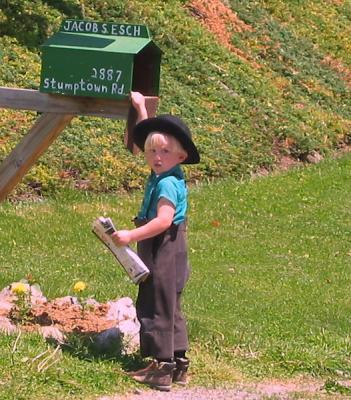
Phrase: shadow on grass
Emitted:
{"points": [[90, 347]]}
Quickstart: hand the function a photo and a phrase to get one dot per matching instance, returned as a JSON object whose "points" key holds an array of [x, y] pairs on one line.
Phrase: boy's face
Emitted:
{"points": [[163, 156]]}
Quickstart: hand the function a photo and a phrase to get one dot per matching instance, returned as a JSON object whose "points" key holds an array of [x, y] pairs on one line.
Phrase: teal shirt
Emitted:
{"points": [[169, 185]]}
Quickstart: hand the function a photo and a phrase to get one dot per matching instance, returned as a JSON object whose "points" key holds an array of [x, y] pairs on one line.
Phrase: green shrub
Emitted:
{"points": [[236, 111]]}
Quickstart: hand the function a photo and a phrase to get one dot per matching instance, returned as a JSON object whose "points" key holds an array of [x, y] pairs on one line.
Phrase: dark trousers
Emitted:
{"points": [[163, 328]]}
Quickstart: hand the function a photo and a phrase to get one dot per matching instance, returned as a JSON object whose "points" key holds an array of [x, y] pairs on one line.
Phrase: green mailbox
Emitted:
{"points": [[108, 60]]}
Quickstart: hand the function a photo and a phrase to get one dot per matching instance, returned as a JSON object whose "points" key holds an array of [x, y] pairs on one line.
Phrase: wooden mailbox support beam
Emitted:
{"points": [[45, 130], [57, 111]]}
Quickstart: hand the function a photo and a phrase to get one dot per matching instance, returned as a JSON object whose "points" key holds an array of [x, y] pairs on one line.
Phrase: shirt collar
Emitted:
{"points": [[175, 171]]}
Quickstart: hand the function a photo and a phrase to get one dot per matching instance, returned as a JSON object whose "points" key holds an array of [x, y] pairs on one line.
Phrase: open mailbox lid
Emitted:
{"points": [[108, 60]]}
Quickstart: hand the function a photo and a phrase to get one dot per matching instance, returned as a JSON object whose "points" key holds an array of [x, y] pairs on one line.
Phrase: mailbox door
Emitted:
{"points": [[86, 73]]}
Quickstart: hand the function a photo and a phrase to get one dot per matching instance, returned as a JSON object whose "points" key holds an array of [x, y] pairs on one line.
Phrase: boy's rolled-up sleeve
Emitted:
{"points": [[168, 190]]}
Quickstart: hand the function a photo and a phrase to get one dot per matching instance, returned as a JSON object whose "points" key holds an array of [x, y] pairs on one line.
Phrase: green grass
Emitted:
{"points": [[24, 376], [277, 279], [268, 295]]}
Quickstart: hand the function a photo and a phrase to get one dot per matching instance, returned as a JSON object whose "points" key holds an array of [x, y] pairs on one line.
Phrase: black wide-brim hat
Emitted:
{"points": [[171, 125]]}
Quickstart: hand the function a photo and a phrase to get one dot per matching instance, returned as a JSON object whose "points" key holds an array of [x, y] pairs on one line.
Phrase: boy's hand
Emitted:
{"points": [[138, 102], [121, 238]]}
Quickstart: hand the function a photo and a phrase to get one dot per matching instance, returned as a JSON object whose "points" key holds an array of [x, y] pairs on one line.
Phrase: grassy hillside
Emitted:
{"points": [[279, 85]]}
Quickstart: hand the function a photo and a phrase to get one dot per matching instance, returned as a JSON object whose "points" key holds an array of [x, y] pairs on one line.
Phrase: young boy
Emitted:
{"points": [[161, 235]]}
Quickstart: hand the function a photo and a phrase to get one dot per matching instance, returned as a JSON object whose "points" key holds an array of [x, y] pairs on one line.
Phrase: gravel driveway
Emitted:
{"points": [[269, 390]]}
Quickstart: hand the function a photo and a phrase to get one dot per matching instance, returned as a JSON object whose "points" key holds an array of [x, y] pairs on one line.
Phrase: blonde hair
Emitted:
{"points": [[157, 139]]}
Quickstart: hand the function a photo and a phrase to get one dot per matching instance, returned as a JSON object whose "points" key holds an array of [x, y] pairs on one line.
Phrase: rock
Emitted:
{"points": [[314, 157], [36, 296], [130, 331], [5, 307], [52, 333], [7, 297], [6, 301], [7, 327], [108, 342], [123, 312], [65, 301], [122, 338], [6, 292], [129, 327], [121, 309], [92, 302]]}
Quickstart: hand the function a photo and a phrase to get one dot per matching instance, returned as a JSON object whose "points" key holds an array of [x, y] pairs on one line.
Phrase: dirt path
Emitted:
{"points": [[262, 391]]}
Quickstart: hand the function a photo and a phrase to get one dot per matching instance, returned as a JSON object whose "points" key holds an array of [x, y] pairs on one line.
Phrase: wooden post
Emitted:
{"points": [[45, 130], [29, 99], [57, 112]]}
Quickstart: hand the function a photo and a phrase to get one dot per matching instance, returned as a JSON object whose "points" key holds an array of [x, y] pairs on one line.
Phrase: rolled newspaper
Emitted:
{"points": [[127, 258]]}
